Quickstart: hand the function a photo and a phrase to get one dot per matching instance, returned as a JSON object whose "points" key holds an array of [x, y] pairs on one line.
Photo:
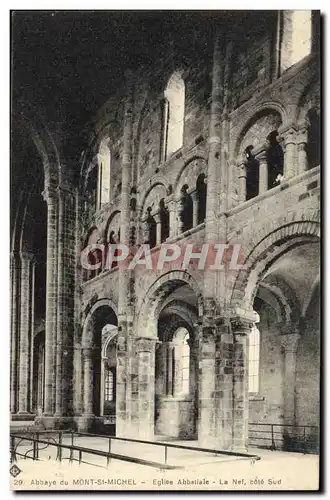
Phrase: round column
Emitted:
{"points": [[263, 172], [88, 381], [50, 196], [25, 332], [14, 344]]}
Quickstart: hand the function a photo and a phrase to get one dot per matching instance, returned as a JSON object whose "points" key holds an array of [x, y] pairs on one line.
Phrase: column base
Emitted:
{"points": [[22, 415]]}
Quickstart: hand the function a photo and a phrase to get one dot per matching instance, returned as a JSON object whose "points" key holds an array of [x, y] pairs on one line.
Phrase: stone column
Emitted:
{"points": [[25, 332], [181, 209], [146, 387], [302, 150], [241, 328], [31, 362], [51, 300], [171, 205], [263, 172], [216, 200], [126, 278], [65, 300], [214, 150], [88, 381], [158, 228], [289, 344], [289, 153], [177, 369], [194, 198], [160, 360], [14, 345], [206, 385], [103, 370], [241, 165], [170, 368]]}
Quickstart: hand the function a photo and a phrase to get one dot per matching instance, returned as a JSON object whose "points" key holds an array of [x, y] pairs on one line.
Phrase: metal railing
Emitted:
{"points": [[299, 438], [49, 440]]}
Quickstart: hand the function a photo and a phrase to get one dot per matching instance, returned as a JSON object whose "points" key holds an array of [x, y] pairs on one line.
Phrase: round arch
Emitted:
{"points": [[265, 253], [201, 170], [87, 333], [253, 115], [164, 285]]}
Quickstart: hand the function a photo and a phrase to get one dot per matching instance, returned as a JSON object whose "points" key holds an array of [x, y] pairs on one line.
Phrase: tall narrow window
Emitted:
{"points": [[313, 138], [252, 174], [254, 359], [201, 198], [296, 36], [173, 115], [108, 386], [104, 164], [164, 220], [185, 365], [275, 160]]}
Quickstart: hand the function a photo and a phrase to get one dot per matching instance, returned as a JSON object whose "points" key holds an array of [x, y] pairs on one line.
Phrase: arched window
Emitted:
{"points": [[104, 172], [185, 365], [313, 138], [173, 116], [109, 386], [164, 220], [151, 229], [201, 198], [252, 174], [254, 360], [91, 192], [186, 209], [275, 160], [296, 36]]}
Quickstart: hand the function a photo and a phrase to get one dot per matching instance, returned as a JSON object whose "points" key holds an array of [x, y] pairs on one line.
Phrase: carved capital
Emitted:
{"points": [[27, 257], [289, 136], [241, 325], [290, 342], [87, 352], [145, 344]]}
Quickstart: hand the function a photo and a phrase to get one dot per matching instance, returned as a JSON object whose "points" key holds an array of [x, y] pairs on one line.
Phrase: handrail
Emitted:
{"points": [[81, 449], [171, 445]]}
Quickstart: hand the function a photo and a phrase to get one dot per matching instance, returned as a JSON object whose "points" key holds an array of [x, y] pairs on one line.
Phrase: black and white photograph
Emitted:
{"points": [[165, 250]]}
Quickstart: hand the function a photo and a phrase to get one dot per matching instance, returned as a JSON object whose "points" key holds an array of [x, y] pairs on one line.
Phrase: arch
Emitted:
{"points": [[259, 111], [195, 166], [265, 252], [164, 285], [113, 223], [110, 338], [44, 142], [162, 193], [87, 323]]}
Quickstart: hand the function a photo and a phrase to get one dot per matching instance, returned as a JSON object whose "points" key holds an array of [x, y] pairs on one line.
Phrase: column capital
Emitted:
{"points": [[27, 256], [241, 160], [87, 351], [193, 195], [156, 216], [289, 136], [146, 344], [261, 155], [290, 342], [241, 325]]}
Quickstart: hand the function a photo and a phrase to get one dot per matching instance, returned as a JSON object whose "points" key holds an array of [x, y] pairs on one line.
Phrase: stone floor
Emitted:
{"points": [[196, 470]]}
